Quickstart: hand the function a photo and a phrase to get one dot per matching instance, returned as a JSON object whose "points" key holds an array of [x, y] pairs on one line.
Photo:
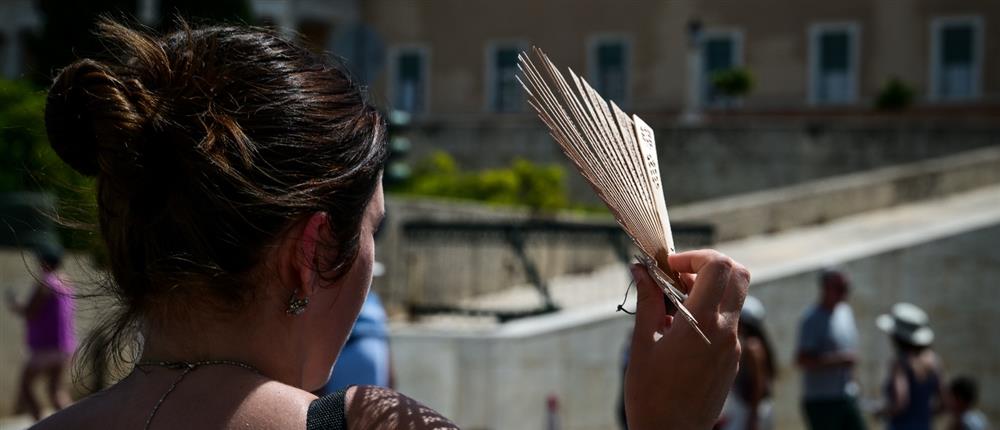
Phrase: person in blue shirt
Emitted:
{"points": [[365, 358]]}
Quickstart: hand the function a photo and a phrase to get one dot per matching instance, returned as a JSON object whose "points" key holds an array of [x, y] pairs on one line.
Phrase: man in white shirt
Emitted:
{"points": [[827, 353]]}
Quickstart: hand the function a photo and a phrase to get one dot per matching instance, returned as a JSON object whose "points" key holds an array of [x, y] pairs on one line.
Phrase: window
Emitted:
{"points": [[720, 52], [609, 61], [956, 45], [504, 92], [833, 68], [409, 80]]}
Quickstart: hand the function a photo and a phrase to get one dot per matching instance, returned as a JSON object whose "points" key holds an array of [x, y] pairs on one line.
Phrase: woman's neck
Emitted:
{"points": [[267, 348]]}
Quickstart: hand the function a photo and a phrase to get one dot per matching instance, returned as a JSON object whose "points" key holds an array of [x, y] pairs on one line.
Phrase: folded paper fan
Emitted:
{"points": [[616, 154]]}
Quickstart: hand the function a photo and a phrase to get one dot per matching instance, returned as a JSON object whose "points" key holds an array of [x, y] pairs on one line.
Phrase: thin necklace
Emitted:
{"points": [[187, 368]]}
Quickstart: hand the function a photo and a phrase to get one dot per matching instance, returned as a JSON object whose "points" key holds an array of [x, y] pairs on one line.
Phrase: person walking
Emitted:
{"points": [[826, 354], [961, 398], [913, 388], [50, 332]]}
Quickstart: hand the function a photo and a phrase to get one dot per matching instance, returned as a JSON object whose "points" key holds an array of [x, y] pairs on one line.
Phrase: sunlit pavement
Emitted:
{"points": [[15, 423]]}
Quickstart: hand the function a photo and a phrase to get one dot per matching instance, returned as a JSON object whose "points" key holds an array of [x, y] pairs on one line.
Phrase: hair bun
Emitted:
{"points": [[93, 117]]}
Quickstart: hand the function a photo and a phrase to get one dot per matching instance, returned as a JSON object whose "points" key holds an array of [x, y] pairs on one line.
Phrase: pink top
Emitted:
{"points": [[51, 328]]}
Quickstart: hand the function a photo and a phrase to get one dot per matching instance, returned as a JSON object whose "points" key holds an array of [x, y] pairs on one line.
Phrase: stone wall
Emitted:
{"points": [[501, 380], [445, 274], [950, 278], [699, 163], [479, 378], [824, 200]]}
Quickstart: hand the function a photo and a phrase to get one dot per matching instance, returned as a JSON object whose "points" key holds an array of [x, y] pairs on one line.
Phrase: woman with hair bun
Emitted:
{"points": [[238, 189]]}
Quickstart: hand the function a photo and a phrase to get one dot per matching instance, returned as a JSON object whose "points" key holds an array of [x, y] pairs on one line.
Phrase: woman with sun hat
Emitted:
{"points": [[913, 388]]}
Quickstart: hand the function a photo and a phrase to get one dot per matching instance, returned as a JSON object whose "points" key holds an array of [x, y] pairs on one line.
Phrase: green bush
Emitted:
{"points": [[28, 163], [734, 82], [539, 187], [895, 95]]}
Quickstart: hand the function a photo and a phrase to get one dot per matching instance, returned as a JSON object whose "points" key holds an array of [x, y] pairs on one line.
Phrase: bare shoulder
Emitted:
{"points": [[273, 405], [235, 403], [377, 408], [82, 414]]}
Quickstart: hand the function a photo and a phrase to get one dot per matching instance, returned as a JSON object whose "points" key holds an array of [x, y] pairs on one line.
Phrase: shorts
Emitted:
{"points": [[833, 414]]}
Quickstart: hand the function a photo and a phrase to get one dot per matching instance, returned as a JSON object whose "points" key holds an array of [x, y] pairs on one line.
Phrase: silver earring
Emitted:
{"points": [[296, 306]]}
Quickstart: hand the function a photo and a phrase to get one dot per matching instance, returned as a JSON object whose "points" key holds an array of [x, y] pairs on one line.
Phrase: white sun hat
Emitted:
{"points": [[907, 322], [753, 312]]}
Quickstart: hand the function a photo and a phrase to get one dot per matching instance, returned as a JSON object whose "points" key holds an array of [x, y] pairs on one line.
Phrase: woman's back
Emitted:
{"points": [[922, 381]]}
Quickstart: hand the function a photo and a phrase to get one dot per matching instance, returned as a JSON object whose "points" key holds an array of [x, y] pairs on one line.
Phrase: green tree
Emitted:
{"points": [[523, 183], [28, 163]]}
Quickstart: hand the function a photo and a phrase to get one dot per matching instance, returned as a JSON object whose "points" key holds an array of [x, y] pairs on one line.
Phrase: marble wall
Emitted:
{"points": [[500, 379]]}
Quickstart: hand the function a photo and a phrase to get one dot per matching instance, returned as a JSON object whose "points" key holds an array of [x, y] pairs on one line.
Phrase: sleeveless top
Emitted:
{"points": [[918, 413], [51, 327], [327, 412]]}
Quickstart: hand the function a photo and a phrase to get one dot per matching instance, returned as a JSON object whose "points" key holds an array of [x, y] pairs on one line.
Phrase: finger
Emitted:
{"points": [[692, 261], [687, 281], [713, 272], [649, 308], [736, 291]]}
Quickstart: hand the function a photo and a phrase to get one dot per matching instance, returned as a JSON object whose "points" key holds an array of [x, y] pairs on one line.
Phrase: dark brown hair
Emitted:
{"points": [[207, 144]]}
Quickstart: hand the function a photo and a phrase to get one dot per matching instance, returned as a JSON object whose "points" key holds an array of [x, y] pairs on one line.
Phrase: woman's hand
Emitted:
{"points": [[677, 381]]}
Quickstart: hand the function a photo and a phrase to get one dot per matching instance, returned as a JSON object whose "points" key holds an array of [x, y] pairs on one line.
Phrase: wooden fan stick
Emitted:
{"points": [[614, 203], [575, 153], [603, 183], [617, 157], [583, 156], [575, 148]]}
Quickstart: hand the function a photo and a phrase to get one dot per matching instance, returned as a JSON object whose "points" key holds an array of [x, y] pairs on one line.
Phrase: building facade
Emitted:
{"points": [[18, 19], [455, 58]]}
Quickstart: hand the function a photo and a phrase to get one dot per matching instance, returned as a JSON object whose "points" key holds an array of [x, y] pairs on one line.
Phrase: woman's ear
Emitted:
{"points": [[307, 251]]}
